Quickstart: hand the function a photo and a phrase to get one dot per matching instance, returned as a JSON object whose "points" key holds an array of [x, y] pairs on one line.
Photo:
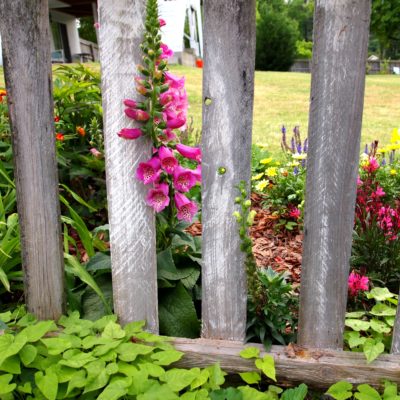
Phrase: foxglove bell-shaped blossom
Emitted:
{"points": [[162, 22], [197, 173], [130, 103], [130, 133], [193, 153], [166, 52], [137, 115], [149, 172], [168, 161], [186, 208], [158, 198], [184, 179], [176, 123]]}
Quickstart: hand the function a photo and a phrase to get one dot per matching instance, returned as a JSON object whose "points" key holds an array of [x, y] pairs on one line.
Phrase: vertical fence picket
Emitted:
{"points": [[337, 93], [228, 88], [132, 228], [396, 334], [25, 33]]}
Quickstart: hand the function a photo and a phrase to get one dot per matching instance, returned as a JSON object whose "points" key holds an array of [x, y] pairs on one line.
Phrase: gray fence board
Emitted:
{"points": [[25, 33], [337, 95], [228, 83], [132, 228]]}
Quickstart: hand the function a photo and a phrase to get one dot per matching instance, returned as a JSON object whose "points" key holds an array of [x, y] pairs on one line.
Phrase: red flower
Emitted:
{"points": [[60, 137]]}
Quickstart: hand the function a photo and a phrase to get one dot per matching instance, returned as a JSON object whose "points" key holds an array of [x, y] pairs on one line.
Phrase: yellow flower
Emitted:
{"points": [[266, 160], [261, 185], [257, 177], [271, 171], [393, 172], [298, 156], [293, 164], [395, 135]]}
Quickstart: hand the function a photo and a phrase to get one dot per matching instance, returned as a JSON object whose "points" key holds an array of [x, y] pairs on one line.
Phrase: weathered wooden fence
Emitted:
{"points": [[341, 32]]}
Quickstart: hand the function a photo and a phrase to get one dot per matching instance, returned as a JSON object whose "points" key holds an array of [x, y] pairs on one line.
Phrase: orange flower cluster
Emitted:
{"points": [[81, 131], [3, 93]]}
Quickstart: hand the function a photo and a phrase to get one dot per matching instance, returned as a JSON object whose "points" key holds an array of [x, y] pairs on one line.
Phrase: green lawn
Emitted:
{"points": [[282, 98]]}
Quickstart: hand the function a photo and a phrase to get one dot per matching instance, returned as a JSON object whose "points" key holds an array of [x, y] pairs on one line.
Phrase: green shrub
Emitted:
{"points": [[276, 40], [304, 49]]}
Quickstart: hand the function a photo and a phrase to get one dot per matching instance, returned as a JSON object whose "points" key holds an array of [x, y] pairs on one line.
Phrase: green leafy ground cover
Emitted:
{"points": [[282, 98]]}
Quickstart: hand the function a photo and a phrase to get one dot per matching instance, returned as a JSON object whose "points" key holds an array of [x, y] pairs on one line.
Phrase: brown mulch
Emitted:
{"points": [[280, 249]]}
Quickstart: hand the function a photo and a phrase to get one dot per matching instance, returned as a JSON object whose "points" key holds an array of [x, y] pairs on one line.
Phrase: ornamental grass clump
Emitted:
{"points": [[174, 168]]}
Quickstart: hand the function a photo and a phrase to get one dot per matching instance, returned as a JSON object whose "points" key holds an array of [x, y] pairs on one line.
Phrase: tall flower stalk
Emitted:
{"points": [[174, 169]]}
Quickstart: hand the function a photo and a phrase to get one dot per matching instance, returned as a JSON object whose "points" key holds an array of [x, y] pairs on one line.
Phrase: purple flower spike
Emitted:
{"points": [[293, 145], [299, 148], [295, 171], [366, 149], [383, 162], [283, 129]]}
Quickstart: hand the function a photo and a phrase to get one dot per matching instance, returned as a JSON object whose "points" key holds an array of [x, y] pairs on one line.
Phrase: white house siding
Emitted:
{"points": [[72, 30]]}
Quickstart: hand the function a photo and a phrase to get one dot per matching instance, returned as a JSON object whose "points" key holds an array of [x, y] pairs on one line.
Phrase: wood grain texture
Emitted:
{"points": [[228, 81], [317, 368], [24, 27], [337, 95], [395, 349], [132, 228]]}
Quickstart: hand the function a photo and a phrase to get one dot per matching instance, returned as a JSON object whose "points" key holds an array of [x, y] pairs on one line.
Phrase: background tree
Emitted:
{"points": [[87, 30], [277, 34], [385, 27]]}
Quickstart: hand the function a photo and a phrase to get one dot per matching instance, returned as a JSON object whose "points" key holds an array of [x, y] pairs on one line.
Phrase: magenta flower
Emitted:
{"points": [[176, 123], [359, 181], [193, 153], [95, 152], [197, 173], [149, 172], [184, 179], [158, 198], [294, 212], [357, 283], [186, 208], [168, 161], [130, 103], [175, 82], [166, 52], [167, 136], [162, 22], [379, 192], [130, 133], [137, 115]]}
